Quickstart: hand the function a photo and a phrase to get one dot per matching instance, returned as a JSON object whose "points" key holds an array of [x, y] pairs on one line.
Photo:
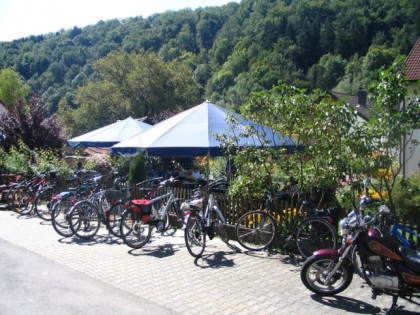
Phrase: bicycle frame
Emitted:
{"points": [[157, 204], [160, 209], [212, 206]]}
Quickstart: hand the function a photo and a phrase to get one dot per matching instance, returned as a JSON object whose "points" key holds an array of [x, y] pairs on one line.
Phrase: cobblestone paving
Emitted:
{"points": [[226, 280]]}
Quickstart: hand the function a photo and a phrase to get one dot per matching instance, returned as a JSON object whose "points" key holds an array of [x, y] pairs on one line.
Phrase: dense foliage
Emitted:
{"points": [[124, 85], [29, 122], [137, 171], [333, 150], [233, 50]]}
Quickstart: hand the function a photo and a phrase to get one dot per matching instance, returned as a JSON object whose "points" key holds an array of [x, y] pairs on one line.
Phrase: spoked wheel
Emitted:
{"points": [[195, 236], [220, 228], [43, 204], [163, 224], [23, 200], [10, 197], [256, 230], [84, 219], [316, 272], [113, 218], [313, 234], [59, 218], [134, 232]]}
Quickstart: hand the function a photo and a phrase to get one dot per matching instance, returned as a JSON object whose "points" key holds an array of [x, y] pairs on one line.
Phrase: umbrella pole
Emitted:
{"points": [[208, 165]]}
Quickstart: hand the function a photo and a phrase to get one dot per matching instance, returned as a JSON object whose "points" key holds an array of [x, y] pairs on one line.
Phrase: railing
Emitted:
{"points": [[412, 224], [232, 207]]}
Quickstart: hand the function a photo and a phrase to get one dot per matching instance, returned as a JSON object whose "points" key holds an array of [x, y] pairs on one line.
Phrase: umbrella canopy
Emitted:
{"points": [[192, 133], [110, 134]]}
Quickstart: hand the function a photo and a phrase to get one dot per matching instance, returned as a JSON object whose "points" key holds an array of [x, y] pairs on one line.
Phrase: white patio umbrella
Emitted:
{"points": [[110, 134], [193, 133]]}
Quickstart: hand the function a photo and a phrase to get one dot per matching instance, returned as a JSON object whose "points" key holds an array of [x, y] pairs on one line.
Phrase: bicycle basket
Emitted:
{"points": [[142, 206], [113, 195]]}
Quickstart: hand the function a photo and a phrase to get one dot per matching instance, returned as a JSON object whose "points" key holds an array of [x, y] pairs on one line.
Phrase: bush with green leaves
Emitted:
{"points": [[98, 163], [49, 160], [406, 196], [16, 159]]}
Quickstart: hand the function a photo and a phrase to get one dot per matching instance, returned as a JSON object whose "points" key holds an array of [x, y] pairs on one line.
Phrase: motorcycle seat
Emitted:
{"points": [[411, 257]]}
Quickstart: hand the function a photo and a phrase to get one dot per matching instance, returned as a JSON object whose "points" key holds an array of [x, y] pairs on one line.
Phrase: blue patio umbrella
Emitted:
{"points": [[110, 134]]}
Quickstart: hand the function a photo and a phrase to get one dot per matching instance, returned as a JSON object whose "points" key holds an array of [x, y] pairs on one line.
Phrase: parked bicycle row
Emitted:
{"points": [[82, 210], [79, 212]]}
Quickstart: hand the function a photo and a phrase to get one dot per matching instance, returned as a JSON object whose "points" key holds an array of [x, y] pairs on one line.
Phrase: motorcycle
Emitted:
{"points": [[370, 249]]}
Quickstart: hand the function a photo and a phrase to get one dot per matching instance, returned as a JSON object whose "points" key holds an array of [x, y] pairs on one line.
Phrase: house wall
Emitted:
{"points": [[413, 164]]}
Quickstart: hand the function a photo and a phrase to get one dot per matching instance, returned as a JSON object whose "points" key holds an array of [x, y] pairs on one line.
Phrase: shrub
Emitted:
{"points": [[406, 195], [17, 159], [137, 172]]}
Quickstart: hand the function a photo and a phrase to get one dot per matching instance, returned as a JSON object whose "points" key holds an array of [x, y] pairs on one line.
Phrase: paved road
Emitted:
{"points": [[160, 278]]}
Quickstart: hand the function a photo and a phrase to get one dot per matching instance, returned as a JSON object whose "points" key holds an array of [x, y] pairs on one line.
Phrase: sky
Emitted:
{"points": [[22, 18]]}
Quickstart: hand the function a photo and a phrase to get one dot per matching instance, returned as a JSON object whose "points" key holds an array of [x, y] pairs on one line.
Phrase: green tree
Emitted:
{"points": [[11, 87], [327, 72], [134, 85], [394, 116], [319, 129], [376, 58]]}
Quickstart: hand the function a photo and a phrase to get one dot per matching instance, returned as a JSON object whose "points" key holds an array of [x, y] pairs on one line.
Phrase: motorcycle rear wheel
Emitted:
{"points": [[315, 271]]}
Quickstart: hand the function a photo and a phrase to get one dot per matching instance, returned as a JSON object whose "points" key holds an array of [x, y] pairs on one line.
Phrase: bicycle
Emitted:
{"points": [[64, 201], [141, 216], [22, 198], [104, 206], [256, 230], [203, 221], [45, 196]]}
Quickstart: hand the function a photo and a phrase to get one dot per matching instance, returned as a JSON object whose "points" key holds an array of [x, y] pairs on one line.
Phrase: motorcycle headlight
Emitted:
{"points": [[354, 221]]}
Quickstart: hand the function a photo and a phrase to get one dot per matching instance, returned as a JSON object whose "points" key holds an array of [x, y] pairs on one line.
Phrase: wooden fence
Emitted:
{"points": [[234, 208]]}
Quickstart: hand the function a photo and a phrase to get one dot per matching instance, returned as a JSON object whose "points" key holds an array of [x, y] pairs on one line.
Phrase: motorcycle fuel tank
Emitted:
{"points": [[382, 243]]}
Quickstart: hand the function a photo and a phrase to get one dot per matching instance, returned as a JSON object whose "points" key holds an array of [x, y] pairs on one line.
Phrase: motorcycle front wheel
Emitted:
{"points": [[316, 270]]}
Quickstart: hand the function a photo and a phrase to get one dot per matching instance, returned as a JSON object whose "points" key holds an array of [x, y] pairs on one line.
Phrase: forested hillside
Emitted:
{"points": [[231, 50]]}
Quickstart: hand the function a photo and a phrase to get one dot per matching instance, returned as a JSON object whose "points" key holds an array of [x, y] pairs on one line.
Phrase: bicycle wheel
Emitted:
{"points": [[134, 232], [10, 197], [84, 219], [313, 234], [23, 200], [59, 218], [195, 236], [163, 225], [43, 204], [219, 224], [113, 218], [256, 230]]}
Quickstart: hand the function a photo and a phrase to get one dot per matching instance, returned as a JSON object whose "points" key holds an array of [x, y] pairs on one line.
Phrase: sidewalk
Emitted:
{"points": [[227, 280]]}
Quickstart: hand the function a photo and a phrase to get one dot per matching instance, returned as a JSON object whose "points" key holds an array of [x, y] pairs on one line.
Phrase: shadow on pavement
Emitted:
{"points": [[348, 304], [214, 260], [158, 251], [356, 306]]}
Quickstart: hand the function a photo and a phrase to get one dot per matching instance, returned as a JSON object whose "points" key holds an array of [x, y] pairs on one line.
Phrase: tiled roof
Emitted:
{"points": [[413, 63], [358, 102]]}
